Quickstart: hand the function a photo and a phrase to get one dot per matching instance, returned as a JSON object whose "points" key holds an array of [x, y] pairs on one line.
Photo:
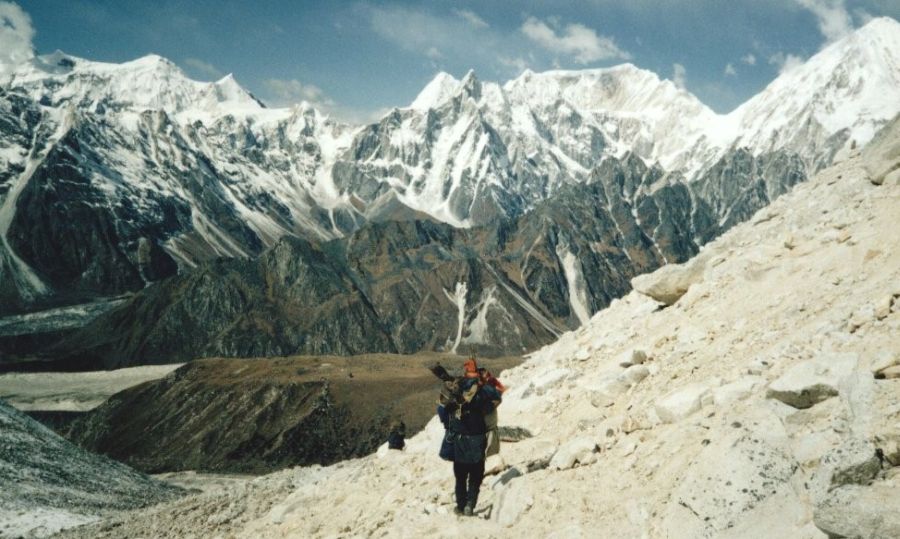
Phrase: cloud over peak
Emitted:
{"points": [[575, 40], [832, 16], [16, 34]]}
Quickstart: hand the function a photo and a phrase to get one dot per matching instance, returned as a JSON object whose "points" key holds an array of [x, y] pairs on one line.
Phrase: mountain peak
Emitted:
{"points": [[441, 87], [881, 25]]}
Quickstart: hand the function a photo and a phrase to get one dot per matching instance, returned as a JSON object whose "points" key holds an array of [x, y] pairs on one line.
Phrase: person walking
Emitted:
{"points": [[467, 432]]}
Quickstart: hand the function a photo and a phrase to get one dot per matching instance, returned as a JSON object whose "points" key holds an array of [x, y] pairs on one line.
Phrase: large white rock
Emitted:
{"points": [[681, 403], [578, 451], [512, 502], [667, 284], [730, 476], [872, 512], [813, 381], [547, 381], [738, 390]]}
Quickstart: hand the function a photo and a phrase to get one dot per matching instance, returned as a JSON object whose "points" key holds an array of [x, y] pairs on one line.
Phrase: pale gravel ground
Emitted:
{"points": [[775, 291], [74, 391]]}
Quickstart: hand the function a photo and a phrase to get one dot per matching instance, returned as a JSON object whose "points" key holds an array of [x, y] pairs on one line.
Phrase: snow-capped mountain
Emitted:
{"points": [[467, 150], [158, 172]]}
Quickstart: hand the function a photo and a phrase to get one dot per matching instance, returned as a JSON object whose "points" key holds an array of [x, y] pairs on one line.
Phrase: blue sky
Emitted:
{"points": [[358, 58]]}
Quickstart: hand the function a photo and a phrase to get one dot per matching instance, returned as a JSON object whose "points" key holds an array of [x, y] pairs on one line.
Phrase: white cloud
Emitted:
{"points": [[472, 18], [785, 62], [517, 64], [749, 59], [203, 69], [420, 32], [730, 71], [577, 40], [679, 75], [289, 92], [832, 15], [16, 34]]}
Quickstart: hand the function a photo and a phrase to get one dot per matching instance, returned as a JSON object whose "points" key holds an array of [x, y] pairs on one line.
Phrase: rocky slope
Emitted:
{"points": [[47, 483], [758, 397], [161, 173], [259, 415]]}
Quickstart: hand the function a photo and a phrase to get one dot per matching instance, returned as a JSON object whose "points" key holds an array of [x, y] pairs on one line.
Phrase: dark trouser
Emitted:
{"points": [[473, 474]]}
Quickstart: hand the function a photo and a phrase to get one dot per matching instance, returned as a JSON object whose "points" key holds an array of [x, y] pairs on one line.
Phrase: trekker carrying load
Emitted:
{"points": [[463, 408], [493, 386]]}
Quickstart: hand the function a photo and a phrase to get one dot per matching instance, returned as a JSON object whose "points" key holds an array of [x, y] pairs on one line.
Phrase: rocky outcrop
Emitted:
{"points": [[259, 415], [48, 483]]}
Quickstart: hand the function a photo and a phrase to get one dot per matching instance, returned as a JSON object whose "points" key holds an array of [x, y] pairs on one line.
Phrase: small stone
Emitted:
{"points": [[577, 451], [883, 307], [889, 373], [506, 477], [632, 357], [635, 374], [883, 360], [843, 236], [680, 403]]}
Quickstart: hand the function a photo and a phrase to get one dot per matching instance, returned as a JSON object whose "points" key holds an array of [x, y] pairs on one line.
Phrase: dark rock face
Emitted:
{"points": [[413, 285], [392, 285]]}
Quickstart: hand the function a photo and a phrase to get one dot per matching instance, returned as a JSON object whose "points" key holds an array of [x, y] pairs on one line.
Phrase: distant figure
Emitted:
{"points": [[397, 435], [464, 404]]}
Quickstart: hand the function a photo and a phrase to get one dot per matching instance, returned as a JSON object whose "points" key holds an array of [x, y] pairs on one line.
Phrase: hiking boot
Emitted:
{"points": [[469, 511], [458, 511]]}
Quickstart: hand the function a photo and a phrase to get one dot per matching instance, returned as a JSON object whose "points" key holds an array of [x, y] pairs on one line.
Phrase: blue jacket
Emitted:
{"points": [[466, 432]]}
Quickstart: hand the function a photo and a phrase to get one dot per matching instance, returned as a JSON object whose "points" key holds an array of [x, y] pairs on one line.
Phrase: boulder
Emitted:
{"points": [[872, 512], [889, 373], [578, 451], [667, 284], [853, 462], [810, 382], [681, 403]]}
